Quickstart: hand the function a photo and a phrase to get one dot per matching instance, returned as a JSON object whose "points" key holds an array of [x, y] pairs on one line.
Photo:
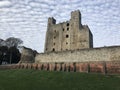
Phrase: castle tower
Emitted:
{"points": [[76, 19], [81, 37], [75, 26], [70, 35], [48, 41]]}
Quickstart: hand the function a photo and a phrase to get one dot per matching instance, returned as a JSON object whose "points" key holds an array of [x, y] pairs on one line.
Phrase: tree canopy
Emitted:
{"points": [[9, 50], [11, 42]]}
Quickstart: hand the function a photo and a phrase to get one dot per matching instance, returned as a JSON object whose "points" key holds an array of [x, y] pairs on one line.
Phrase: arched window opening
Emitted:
{"points": [[53, 49], [67, 29]]}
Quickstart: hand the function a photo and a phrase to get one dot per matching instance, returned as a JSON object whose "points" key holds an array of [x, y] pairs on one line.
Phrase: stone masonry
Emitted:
{"points": [[69, 47], [84, 55], [69, 35], [28, 55]]}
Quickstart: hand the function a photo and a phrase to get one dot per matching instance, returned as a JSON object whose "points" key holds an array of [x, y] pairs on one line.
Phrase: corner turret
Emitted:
{"points": [[51, 21]]}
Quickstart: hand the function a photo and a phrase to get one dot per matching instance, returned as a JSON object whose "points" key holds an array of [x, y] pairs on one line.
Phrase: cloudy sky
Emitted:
{"points": [[27, 19]]}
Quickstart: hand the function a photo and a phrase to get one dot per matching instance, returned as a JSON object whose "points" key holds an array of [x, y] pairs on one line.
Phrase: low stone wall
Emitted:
{"points": [[86, 67], [11, 66], [83, 55]]}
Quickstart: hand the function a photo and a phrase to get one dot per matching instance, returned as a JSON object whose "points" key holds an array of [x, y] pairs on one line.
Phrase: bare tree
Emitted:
{"points": [[13, 42], [1, 40], [1, 50], [2, 43]]}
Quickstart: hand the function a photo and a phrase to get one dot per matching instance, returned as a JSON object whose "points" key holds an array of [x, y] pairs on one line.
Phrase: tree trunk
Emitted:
{"points": [[10, 58]]}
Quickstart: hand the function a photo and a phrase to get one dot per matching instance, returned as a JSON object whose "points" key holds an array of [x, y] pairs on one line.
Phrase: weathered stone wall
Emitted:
{"points": [[109, 67], [27, 55], [69, 35], [83, 55]]}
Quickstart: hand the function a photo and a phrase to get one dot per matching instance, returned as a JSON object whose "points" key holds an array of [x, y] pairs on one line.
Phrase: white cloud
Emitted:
{"points": [[27, 19], [5, 3]]}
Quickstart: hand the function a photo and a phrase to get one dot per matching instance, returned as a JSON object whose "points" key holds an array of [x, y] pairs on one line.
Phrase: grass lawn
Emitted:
{"points": [[44, 80]]}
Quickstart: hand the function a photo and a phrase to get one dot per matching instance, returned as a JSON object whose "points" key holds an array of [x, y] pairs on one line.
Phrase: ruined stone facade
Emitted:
{"points": [[28, 55], [85, 55], [70, 35], [69, 47]]}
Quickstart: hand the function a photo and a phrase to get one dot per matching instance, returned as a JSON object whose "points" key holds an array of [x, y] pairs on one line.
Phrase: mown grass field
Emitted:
{"points": [[44, 80]]}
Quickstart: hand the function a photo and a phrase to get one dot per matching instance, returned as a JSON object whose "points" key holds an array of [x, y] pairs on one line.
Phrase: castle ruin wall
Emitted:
{"points": [[83, 55]]}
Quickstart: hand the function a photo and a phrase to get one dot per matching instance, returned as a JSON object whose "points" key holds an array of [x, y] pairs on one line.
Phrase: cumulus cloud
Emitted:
{"points": [[27, 19]]}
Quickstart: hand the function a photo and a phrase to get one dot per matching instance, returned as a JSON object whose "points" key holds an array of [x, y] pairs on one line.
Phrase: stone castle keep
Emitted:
{"points": [[69, 47], [70, 35]]}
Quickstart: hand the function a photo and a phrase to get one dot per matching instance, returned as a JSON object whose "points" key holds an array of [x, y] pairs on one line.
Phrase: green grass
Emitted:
{"points": [[44, 80]]}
